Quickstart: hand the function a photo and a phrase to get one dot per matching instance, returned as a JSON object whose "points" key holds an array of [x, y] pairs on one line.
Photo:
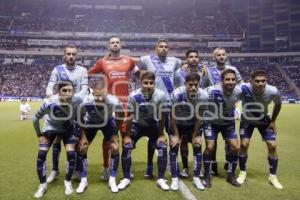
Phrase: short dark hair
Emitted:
{"points": [[227, 71], [161, 40], [258, 73], [69, 46], [193, 76], [62, 84], [191, 51], [147, 75], [114, 36]]}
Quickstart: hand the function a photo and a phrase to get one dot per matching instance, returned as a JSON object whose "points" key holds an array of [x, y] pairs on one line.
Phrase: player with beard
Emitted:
{"points": [[116, 68], [220, 118], [192, 65], [211, 78], [164, 67], [186, 123], [69, 71], [257, 95]]}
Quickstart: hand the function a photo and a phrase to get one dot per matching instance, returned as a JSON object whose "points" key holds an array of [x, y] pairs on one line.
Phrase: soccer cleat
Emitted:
{"points": [[105, 174], [198, 184], [206, 182], [162, 184], [112, 184], [124, 183], [274, 181], [41, 191], [149, 172], [53, 175], [77, 175], [214, 168], [82, 186], [242, 177], [184, 173], [68, 187], [175, 184], [232, 180]]}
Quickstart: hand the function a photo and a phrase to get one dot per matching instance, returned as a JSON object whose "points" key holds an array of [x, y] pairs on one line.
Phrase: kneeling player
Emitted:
{"points": [[144, 106], [60, 111], [258, 95], [186, 122], [98, 110]]}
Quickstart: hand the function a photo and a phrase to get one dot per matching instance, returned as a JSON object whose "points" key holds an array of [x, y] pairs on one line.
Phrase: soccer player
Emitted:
{"points": [[192, 65], [60, 111], [213, 77], [164, 67], [68, 71], [257, 95], [116, 68], [220, 118], [24, 109], [146, 106], [186, 122], [98, 110]]}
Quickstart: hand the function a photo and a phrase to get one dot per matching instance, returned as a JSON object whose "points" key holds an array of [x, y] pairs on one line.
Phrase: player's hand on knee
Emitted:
{"points": [[162, 139], [43, 140], [114, 143], [127, 140], [272, 126], [197, 140], [175, 140], [83, 145]]}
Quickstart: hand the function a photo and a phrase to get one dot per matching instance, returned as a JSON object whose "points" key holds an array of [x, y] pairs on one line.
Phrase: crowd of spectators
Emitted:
{"points": [[294, 74], [65, 19], [25, 80]]}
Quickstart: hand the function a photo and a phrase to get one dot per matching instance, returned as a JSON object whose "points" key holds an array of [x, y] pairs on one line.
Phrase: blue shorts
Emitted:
{"points": [[246, 130], [67, 137], [186, 131], [138, 132], [211, 131], [108, 131]]}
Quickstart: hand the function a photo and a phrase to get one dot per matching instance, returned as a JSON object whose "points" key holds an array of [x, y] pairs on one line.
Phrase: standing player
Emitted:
{"points": [[146, 106], [213, 77], [60, 111], [98, 110], [24, 109], [116, 68], [186, 122], [164, 68], [220, 118], [258, 95], [192, 62], [69, 71]]}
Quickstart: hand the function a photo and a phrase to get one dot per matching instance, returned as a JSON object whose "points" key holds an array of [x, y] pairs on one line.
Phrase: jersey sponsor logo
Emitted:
{"points": [[114, 74], [163, 73]]}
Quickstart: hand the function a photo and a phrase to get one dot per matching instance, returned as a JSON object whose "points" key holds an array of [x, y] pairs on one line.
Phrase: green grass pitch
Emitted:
{"points": [[18, 178]]}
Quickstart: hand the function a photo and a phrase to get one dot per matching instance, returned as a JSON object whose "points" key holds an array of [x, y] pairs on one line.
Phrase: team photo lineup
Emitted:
{"points": [[160, 99], [184, 102]]}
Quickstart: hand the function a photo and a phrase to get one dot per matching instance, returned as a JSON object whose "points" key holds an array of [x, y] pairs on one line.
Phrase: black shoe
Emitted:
{"points": [[206, 182], [226, 166], [232, 180], [214, 169]]}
